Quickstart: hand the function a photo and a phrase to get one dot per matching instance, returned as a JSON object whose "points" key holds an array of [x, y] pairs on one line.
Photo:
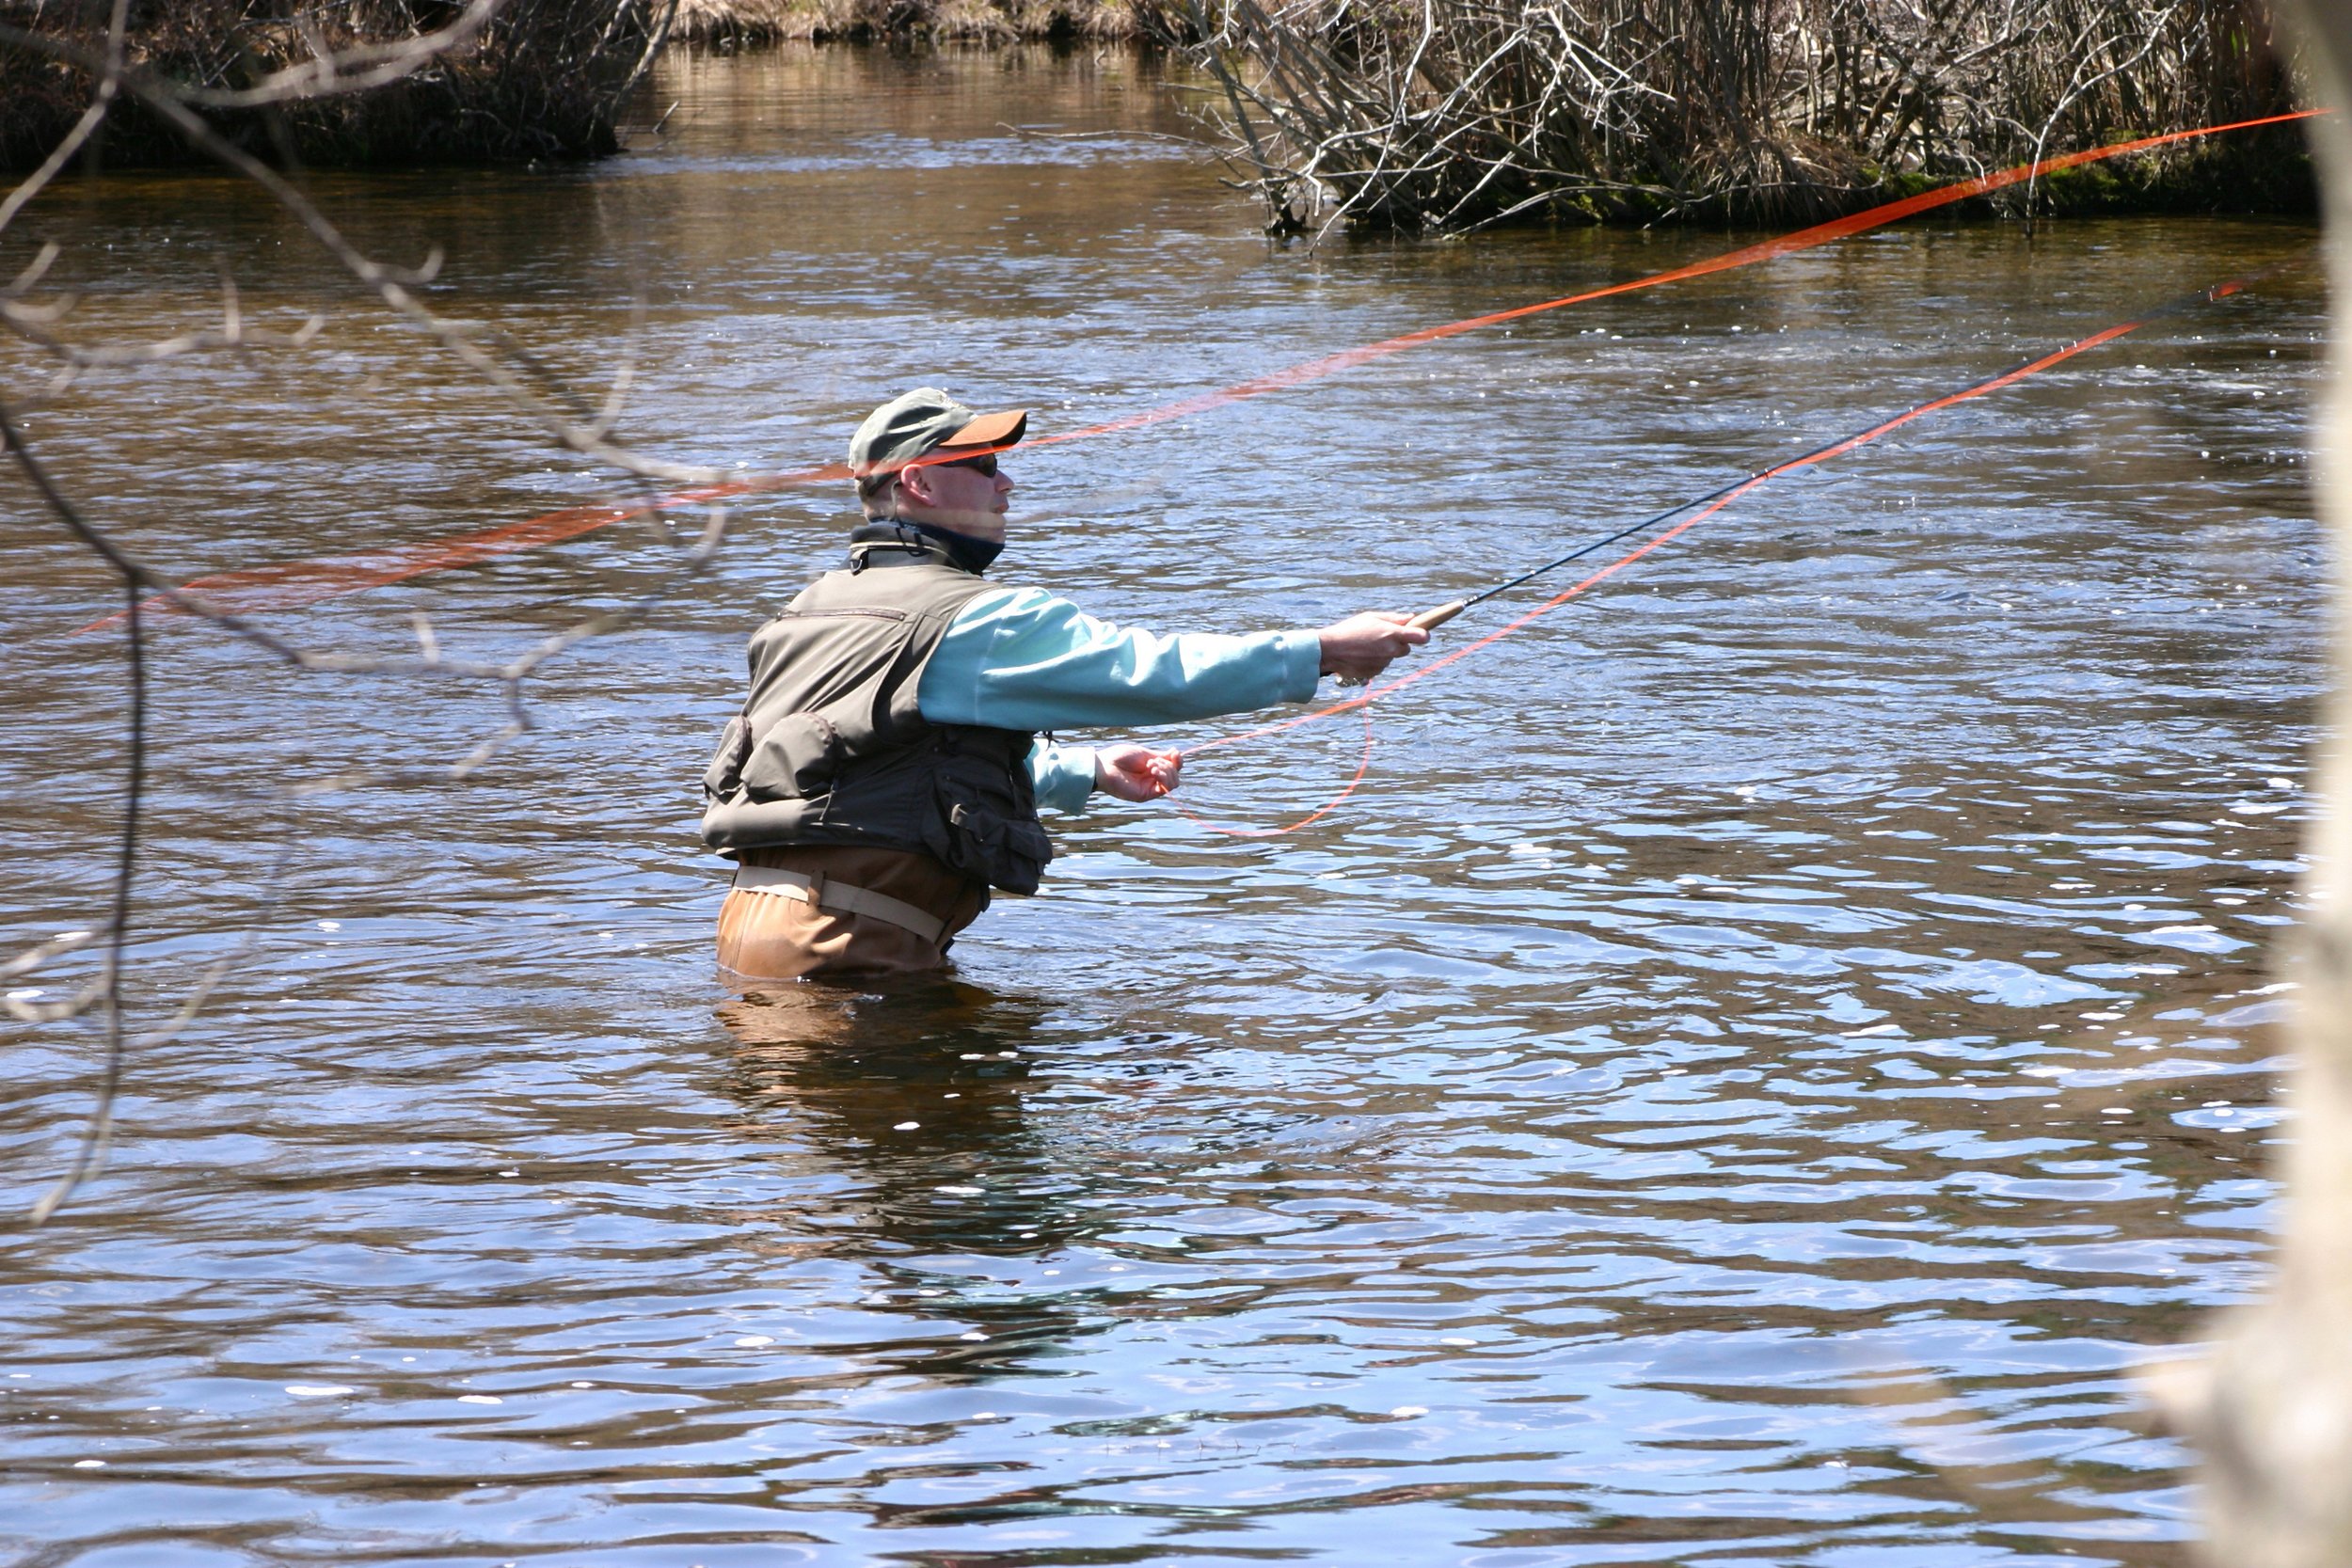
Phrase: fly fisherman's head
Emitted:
{"points": [[927, 462]]}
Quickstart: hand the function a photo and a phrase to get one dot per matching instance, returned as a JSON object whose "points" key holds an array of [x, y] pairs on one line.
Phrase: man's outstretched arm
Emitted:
{"points": [[1026, 660], [1023, 658]]}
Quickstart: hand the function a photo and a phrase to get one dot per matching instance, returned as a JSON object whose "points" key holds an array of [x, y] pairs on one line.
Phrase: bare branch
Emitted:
{"points": [[1450, 115]]}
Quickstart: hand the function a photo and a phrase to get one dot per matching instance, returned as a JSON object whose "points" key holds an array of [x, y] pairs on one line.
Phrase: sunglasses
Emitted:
{"points": [[984, 465]]}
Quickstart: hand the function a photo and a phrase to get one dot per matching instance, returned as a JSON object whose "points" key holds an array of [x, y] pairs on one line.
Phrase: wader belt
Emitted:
{"points": [[826, 894]]}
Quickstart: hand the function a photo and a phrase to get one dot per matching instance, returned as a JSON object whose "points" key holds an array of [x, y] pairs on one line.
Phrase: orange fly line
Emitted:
{"points": [[1705, 508], [290, 585]]}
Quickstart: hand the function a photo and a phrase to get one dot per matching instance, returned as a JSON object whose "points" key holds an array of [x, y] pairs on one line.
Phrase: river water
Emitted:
{"points": [[1768, 1055]]}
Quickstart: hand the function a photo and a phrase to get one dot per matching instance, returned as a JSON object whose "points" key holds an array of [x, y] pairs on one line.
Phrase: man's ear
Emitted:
{"points": [[915, 481]]}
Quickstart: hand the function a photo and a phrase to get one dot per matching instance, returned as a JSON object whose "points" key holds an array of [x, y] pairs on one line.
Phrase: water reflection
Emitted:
{"points": [[909, 1104]]}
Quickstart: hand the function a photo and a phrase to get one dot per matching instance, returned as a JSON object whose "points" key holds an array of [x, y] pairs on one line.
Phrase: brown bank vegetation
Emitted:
{"points": [[726, 23], [1447, 115], [382, 81]]}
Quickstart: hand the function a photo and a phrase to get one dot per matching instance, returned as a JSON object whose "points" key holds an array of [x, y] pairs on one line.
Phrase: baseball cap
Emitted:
{"points": [[926, 421]]}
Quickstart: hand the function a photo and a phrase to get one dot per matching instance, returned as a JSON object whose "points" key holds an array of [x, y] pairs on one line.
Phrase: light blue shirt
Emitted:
{"points": [[1021, 658]]}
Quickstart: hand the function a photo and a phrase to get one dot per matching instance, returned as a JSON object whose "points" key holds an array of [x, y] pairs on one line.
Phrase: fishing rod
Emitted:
{"points": [[1698, 509], [1429, 620]]}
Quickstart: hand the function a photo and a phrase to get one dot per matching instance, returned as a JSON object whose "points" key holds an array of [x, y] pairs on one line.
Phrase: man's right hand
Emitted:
{"points": [[1362, 646]]}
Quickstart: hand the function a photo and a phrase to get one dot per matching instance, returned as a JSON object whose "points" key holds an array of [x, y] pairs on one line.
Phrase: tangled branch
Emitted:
{"points": [[1444, 116]]}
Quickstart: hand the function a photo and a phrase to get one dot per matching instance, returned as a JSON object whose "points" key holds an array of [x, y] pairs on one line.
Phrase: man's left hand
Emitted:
{"points": [[1136, 772]]}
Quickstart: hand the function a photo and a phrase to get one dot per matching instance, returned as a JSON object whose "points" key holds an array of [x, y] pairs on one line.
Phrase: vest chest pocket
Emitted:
{"points": [[797, 758]]}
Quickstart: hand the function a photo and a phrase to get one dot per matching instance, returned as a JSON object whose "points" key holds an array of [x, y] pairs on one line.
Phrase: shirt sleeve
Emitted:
{"points": [[1021, 658], [1064, 775]]}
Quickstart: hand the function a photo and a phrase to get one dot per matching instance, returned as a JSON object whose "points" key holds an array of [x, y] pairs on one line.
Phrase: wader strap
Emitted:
{"points": [[829, 894]]}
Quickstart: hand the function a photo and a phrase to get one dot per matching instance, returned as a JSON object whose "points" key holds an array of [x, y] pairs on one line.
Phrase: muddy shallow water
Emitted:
{"points": [[1768, 1054]]}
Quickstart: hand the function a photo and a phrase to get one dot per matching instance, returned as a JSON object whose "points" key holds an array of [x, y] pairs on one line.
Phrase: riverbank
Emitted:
{"points": [[1340, 124], [544, 80], [1454, 115], [734, 23]]}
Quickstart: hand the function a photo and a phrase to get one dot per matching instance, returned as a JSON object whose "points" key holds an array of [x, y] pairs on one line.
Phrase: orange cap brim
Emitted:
{"points": [[989, 429]]}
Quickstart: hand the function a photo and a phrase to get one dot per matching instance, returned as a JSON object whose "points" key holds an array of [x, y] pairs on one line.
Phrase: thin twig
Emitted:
{"points": [[100, 1129]]}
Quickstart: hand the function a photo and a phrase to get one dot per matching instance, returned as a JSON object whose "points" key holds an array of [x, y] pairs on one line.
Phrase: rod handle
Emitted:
{"points": [[1430, 620]]}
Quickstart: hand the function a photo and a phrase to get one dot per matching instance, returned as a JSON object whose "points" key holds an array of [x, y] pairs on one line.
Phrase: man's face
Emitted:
{"points": [[970, 497]]}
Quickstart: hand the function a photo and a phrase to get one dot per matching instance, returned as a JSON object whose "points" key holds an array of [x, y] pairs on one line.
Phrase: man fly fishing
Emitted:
{"points": [[886, 769]]}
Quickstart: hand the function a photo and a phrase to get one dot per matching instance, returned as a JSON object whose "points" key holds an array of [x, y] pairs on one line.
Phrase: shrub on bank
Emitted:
{"points": [[544, 78], [1450, 115], [729, 22]]}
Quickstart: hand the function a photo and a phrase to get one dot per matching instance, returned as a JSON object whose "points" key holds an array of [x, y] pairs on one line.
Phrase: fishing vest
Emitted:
{"points": [[830, 747]]}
